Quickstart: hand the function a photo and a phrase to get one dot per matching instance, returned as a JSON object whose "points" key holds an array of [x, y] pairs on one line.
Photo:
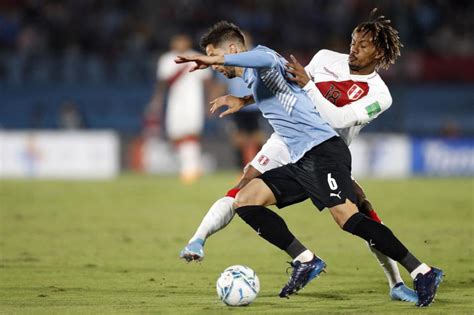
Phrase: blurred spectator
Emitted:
{"points": [[184, 114], [119, 35], [56, 49]]}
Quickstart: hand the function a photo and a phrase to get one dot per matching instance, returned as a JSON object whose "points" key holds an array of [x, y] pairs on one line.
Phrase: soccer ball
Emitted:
{"points": [[238, 286]]}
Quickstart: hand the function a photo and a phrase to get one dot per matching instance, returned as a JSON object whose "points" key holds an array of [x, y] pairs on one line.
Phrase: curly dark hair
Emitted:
{"points": [[384, 37], [220, 32]]}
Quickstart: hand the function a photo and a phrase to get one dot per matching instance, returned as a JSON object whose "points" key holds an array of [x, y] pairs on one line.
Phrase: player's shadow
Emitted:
{"points": [[320, 295], [323, 295]]}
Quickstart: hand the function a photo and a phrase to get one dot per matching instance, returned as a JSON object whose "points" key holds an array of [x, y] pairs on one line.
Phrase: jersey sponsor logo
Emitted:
{"points": [[355, 92], [373, 109], [263, 160]]}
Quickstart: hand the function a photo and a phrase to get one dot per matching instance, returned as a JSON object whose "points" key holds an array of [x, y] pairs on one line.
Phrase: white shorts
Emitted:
{"points": [[184, 120], [273, 154], [184, 114]]}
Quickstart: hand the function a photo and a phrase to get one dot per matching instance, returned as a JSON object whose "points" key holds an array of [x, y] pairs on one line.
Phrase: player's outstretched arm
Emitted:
{"points": [[233, 103], [256, 58], [202, 61]]}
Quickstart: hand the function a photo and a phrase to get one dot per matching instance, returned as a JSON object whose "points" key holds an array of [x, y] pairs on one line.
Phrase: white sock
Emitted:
{"points": [[189, 153], [389, 266], [217, 217], [305, 256], [423, 268]]}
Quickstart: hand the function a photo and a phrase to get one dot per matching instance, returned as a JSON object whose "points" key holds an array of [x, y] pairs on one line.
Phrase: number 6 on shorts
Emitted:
{"points": [[332, 182]]}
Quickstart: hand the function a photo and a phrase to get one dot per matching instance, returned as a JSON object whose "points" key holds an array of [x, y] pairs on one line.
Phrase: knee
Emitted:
{"points": [[244, 198], [256, 193]]}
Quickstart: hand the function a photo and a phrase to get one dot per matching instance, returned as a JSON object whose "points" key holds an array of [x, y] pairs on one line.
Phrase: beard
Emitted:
{"points": [[354, 67]]}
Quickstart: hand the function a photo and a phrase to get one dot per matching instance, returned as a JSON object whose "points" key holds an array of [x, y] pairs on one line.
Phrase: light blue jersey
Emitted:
{"points": [[283, 103], [237, 87]]}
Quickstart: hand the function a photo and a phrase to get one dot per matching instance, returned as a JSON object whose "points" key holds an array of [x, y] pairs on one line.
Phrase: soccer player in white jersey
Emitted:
{"points": [[184, 115], [320, 168]]}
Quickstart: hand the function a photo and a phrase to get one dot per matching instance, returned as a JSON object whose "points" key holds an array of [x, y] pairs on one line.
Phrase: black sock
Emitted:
{"points": [[378, 236], [410, 262], [271, 227], [295, 248]]}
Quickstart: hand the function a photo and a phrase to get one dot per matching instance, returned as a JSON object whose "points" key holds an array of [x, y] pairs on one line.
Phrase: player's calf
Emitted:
{"points": [[381, 238], [363, 205]]}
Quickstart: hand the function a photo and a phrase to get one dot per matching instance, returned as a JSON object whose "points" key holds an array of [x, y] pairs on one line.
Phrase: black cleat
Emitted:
{"points": [[426, 286], [302, 274]]}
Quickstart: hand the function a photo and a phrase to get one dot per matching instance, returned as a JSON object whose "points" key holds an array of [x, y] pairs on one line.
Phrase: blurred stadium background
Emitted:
{"points": [[77, 77]]}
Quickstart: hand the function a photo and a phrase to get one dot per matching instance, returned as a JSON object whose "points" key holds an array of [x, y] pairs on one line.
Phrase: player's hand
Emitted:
{"points": [[297, 71], [233, 103], [201, 61]]}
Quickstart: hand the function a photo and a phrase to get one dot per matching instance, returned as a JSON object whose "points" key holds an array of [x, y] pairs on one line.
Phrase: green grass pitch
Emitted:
{"points": [[112, 247]]}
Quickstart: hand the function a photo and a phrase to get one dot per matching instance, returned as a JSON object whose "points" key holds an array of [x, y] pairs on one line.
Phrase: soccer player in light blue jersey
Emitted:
{"points": [[320, 168]]}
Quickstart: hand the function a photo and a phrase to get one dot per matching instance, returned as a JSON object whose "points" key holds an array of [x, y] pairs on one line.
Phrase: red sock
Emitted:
{"points": [[233, 192], [373, 215]]}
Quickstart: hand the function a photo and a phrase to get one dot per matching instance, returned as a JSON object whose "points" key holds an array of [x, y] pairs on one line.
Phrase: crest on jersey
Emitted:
{"points": [[263, 160], [355, 92]]}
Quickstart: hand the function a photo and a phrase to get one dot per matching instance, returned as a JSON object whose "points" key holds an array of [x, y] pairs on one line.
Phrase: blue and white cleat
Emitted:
{"points": [[426, 286], [302, 274], [194, 251], [439, 276], [400, 292]]}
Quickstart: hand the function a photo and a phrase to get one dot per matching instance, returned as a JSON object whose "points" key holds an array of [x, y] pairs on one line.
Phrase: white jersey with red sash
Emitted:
{"points": [[185, 105], [347, 102]]}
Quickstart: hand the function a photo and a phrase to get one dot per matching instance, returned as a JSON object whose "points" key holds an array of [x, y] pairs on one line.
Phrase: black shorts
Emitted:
{"points": [[247, 121], [322, 174]]}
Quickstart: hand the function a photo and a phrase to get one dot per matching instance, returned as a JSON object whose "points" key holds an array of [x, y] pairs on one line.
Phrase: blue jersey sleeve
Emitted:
{"points": [[250, 59]]}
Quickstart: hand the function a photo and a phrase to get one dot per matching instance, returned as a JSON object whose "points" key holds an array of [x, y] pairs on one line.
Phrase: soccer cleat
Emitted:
{"points": [[302, 274], [400, 292], [426, 286], [194, 251]]}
